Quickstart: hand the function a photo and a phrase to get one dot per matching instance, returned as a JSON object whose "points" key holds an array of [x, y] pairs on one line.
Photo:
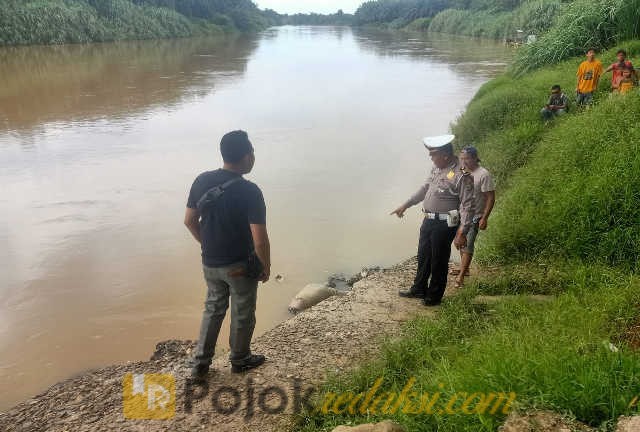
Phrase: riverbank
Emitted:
{"points": [[549, 31], [367, 334], [84, 21], [78, 109], [333, 336], [565, 226]]}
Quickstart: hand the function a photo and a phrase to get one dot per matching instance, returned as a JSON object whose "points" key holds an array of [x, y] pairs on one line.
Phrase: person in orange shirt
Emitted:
{"points": [[589, 73], [626, 83]]}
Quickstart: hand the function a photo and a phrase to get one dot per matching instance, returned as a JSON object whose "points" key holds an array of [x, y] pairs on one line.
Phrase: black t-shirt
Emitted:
{"points": [[224, 228]]}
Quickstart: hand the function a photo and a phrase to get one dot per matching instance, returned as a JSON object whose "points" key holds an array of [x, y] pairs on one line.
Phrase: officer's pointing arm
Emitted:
{"points": [[415, 199], [418, 196]]}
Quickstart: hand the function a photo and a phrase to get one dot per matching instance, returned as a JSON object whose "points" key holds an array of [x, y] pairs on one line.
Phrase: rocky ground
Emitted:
{"points": [[330, 337]]}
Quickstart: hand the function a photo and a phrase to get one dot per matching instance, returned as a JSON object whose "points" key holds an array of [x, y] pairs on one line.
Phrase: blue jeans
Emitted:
{"points": [[223, 283], [472, 235], [548, 114], [584, 98]]}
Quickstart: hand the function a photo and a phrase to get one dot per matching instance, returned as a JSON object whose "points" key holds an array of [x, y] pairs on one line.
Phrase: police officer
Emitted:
{"points": [[448, 206]]}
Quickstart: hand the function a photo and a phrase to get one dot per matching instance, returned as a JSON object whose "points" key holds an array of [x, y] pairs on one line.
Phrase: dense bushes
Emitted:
{"points": [[397, 13], [339, 18], [483, 18], [76, 21], [582, 24], [532, 17]]}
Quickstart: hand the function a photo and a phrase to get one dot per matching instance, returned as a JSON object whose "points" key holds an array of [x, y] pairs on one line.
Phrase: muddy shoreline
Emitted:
{"points": [[329, 337], [333, 336]]}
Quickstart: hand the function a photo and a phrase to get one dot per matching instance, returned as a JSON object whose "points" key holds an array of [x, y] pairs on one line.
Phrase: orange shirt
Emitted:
{"points": [[625, 85], [616, 74], [588, 74]]}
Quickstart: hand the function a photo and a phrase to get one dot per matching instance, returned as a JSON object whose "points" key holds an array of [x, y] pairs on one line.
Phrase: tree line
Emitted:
{"points": [[25, 22], [399, 13]]}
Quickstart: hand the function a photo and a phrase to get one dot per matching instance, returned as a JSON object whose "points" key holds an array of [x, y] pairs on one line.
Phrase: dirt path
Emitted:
{"points": [[331, 336]]}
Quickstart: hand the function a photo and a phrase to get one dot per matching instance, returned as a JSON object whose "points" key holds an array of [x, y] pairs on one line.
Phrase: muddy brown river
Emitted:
{"points": [[99, 145]]}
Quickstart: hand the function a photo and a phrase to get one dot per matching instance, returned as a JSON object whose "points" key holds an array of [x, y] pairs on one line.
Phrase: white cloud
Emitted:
{"points": [[305, 6]]}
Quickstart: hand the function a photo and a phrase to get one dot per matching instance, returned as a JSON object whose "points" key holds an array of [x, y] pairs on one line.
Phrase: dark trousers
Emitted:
{"points": [[434, 250]]}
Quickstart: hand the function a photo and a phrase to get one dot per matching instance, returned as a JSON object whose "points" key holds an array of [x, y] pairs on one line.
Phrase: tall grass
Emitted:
{"points": [[80, 21], [420, 24], [581, 25], [554, 355], [536, 16], [576, 196], [533, 17], [66, 21]]}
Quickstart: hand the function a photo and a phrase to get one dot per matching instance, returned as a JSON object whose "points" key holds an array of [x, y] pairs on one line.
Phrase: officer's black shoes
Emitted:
{"points": [[410, 294], [252, 362], [431, 302], [199, 373]]}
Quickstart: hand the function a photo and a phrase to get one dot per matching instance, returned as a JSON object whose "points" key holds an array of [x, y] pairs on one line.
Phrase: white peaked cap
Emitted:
{"points": [[436, 142]]}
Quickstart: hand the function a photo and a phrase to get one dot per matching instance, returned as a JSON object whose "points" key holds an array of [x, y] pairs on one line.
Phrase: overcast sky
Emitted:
{"points": [[305, 6]]}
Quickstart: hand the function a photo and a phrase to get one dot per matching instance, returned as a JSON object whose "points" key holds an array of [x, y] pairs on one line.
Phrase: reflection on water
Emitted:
{"points": [[462, 55], [100, 143], [73, 83]]}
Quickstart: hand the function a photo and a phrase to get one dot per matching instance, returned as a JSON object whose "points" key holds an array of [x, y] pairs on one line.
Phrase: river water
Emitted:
{"points": [[99, 145]]}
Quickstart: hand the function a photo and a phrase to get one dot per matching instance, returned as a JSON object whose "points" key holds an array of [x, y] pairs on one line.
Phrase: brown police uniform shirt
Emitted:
{"points": [[448, 189]]}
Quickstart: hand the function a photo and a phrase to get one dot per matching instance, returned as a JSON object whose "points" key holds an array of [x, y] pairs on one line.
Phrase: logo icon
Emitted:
{"points": [[149, 396]]}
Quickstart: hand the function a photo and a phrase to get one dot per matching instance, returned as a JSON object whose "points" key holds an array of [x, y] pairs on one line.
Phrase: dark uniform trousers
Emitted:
{"points": [[434, 251]]}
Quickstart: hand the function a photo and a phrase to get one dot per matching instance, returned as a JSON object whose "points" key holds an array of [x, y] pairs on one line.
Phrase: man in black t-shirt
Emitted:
{"points": [[230, 231]]}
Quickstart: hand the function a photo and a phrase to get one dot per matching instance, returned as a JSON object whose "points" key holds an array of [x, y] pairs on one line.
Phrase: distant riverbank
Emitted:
{"points": [[81, 21], [561, 29]]}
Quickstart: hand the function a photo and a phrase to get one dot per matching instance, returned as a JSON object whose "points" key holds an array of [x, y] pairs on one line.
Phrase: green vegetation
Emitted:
{"points": [[581, 25], [396, 13], [339, 18], [565, 28], [532, 17], [553, 355], [567, 224], [482, 18], [79, 21], [576, 197]]}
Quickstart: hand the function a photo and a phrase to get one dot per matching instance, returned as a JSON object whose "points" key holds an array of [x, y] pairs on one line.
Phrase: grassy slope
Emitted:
{"points": [[577, 196], [567, 223], [565, 29]]}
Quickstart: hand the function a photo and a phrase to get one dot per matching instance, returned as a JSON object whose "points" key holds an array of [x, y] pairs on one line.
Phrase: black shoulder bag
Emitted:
{"points": [[207, 201], [210, 197]]}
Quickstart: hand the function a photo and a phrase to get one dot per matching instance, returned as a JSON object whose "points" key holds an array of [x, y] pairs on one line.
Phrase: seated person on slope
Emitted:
{"points": [[558, 104]]}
